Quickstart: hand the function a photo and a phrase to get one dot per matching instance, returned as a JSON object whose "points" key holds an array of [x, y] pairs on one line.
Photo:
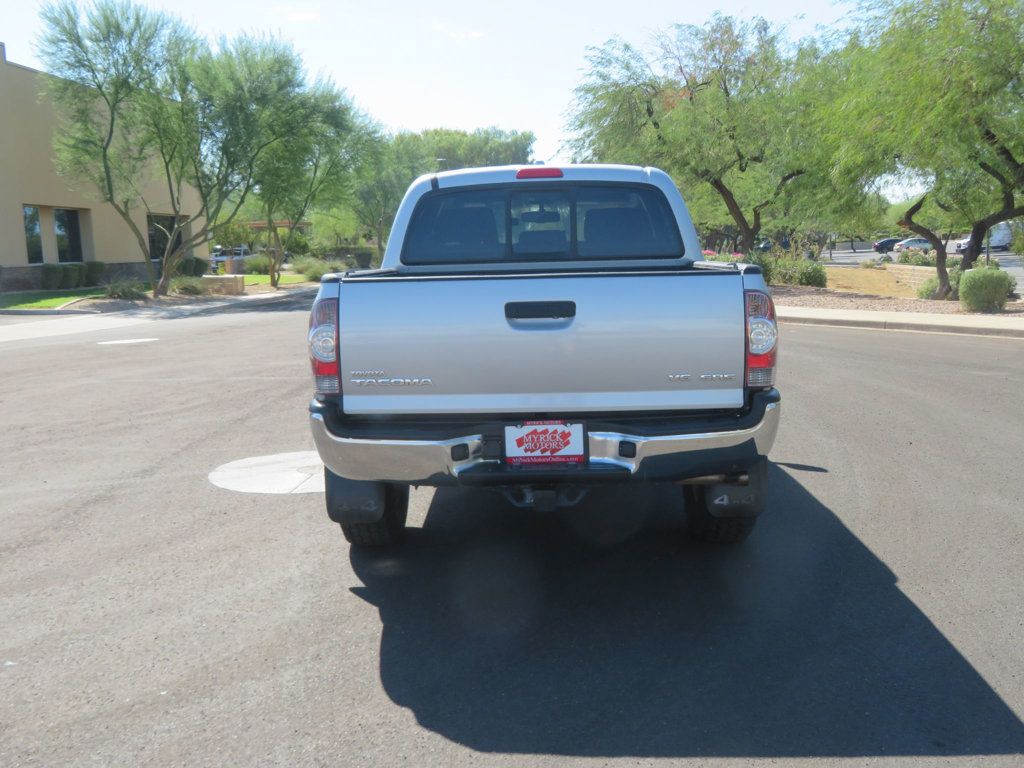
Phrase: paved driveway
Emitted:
{"points": [[150, 618]]}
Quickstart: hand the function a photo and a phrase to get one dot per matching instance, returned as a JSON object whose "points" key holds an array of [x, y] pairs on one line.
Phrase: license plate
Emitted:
{"points": [[545, 442]]}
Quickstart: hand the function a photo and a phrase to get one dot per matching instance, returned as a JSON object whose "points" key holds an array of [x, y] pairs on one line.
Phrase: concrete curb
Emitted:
{"points": [[56, 311], [226, 301], [899, 325]]}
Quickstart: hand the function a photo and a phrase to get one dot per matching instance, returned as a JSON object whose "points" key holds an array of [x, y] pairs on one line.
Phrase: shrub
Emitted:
{"points": [[868, 264], [928, 288], [52, 276], [130, 290], [257, 265], [72, 275], [812, 273], [984, 290], [200, 266], [916, 257], [188, 286], [302, 263], [314, 269], [785, 271], [94, 272], [767, 265], [955, 273], [184, 266], [362, 255], [790, 271]]}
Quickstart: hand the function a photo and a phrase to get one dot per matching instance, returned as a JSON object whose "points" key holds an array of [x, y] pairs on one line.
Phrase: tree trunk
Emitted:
{"points": [[149, 272], [978, 231], [276, 253], [163, 285], [168, 265], [935, 241], [380, 243], [748, 234]]}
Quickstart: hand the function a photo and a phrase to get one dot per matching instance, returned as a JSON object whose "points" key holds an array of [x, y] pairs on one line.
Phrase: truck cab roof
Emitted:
{"points": [[536, 178]]}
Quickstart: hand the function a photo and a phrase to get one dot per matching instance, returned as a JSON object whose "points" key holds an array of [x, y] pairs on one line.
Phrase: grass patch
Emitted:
{"points": [[874, 282], [44, 299], [285, 279]]}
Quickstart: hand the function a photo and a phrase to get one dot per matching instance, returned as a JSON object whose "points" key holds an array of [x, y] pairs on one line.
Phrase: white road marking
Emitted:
{"points": [[63, 326], [127, 341], [299, 472]]}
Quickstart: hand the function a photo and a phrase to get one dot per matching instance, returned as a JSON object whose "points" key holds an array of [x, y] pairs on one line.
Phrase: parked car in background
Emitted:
{"points": [[912, 242], [999, 238], [886, 244], [766, 245], [219, 254]]}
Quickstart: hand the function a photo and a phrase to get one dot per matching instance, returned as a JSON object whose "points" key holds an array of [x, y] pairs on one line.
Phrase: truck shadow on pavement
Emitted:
{"points": [[603, 632]]}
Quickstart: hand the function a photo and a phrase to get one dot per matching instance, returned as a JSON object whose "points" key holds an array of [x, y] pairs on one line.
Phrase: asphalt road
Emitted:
{"points": [[149, 618]]}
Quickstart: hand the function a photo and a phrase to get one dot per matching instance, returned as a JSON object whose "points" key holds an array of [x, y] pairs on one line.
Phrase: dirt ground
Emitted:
{"points": [[826, 298], [875, 282]]}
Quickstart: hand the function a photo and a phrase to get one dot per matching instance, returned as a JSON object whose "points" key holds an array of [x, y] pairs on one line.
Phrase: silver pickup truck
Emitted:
{"points": [[544, 331]]}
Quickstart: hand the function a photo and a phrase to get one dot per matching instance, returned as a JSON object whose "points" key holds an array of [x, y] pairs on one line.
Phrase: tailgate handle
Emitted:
{"points": [[540, 310]]}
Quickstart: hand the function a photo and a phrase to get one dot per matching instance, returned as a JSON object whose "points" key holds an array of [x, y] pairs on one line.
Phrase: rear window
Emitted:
{"points": [[548, 222]]}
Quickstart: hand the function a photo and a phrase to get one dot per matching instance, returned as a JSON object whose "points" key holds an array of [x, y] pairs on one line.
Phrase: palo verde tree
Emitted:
{"points": [[149, 110], [933, 95], [960, 108], [314, 166], [452, 149], [387, 167], [103, 64], [390, 163], [711, 106]]}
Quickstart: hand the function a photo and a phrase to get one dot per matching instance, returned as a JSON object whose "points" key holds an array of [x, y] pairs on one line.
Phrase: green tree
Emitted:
{"points": [[102, 65], [236, 233], [313, 166], [390, 163], [388, 166], [453, 149], [143, 100], [933, 93], [711, 106]]}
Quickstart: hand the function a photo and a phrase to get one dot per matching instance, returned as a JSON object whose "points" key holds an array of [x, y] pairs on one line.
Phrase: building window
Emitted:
{"points": [[159, 226], [69, 235], [33, 237]]}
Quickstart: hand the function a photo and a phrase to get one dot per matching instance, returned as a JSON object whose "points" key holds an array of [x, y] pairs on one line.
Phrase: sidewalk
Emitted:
{"points": [[985, 325], [45, 327]]}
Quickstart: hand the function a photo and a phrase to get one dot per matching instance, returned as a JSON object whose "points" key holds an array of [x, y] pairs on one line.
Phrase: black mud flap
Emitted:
{"points": [[723, 500], [353, 501]]}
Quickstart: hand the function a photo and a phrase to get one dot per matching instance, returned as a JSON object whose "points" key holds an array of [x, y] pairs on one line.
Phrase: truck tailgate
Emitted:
{"points": [[554, 343]]}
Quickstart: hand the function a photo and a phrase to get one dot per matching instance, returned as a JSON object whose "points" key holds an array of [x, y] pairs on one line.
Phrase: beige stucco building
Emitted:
{"points": [[45, 218]]}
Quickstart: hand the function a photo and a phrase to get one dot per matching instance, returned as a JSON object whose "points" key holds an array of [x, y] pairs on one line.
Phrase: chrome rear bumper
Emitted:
{"points": [[430, 462]]}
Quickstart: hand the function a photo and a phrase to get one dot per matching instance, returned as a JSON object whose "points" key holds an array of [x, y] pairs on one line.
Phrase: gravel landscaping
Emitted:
{"points": [[824, 298]]}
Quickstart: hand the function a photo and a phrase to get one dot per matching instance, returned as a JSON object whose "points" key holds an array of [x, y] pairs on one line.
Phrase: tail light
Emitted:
{"points": [[762, 339], [539, 172], [323, 346]]}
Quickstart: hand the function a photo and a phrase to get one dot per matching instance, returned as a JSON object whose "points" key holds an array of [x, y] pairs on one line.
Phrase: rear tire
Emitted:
{"points": [[702, 526], [387, 531]]}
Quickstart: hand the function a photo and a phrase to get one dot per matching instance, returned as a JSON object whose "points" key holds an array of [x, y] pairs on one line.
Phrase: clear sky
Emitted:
{"points": [[455, 64]]}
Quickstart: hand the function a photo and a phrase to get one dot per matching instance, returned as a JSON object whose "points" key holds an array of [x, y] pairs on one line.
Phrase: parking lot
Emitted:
{"points": [[152, 618]]}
